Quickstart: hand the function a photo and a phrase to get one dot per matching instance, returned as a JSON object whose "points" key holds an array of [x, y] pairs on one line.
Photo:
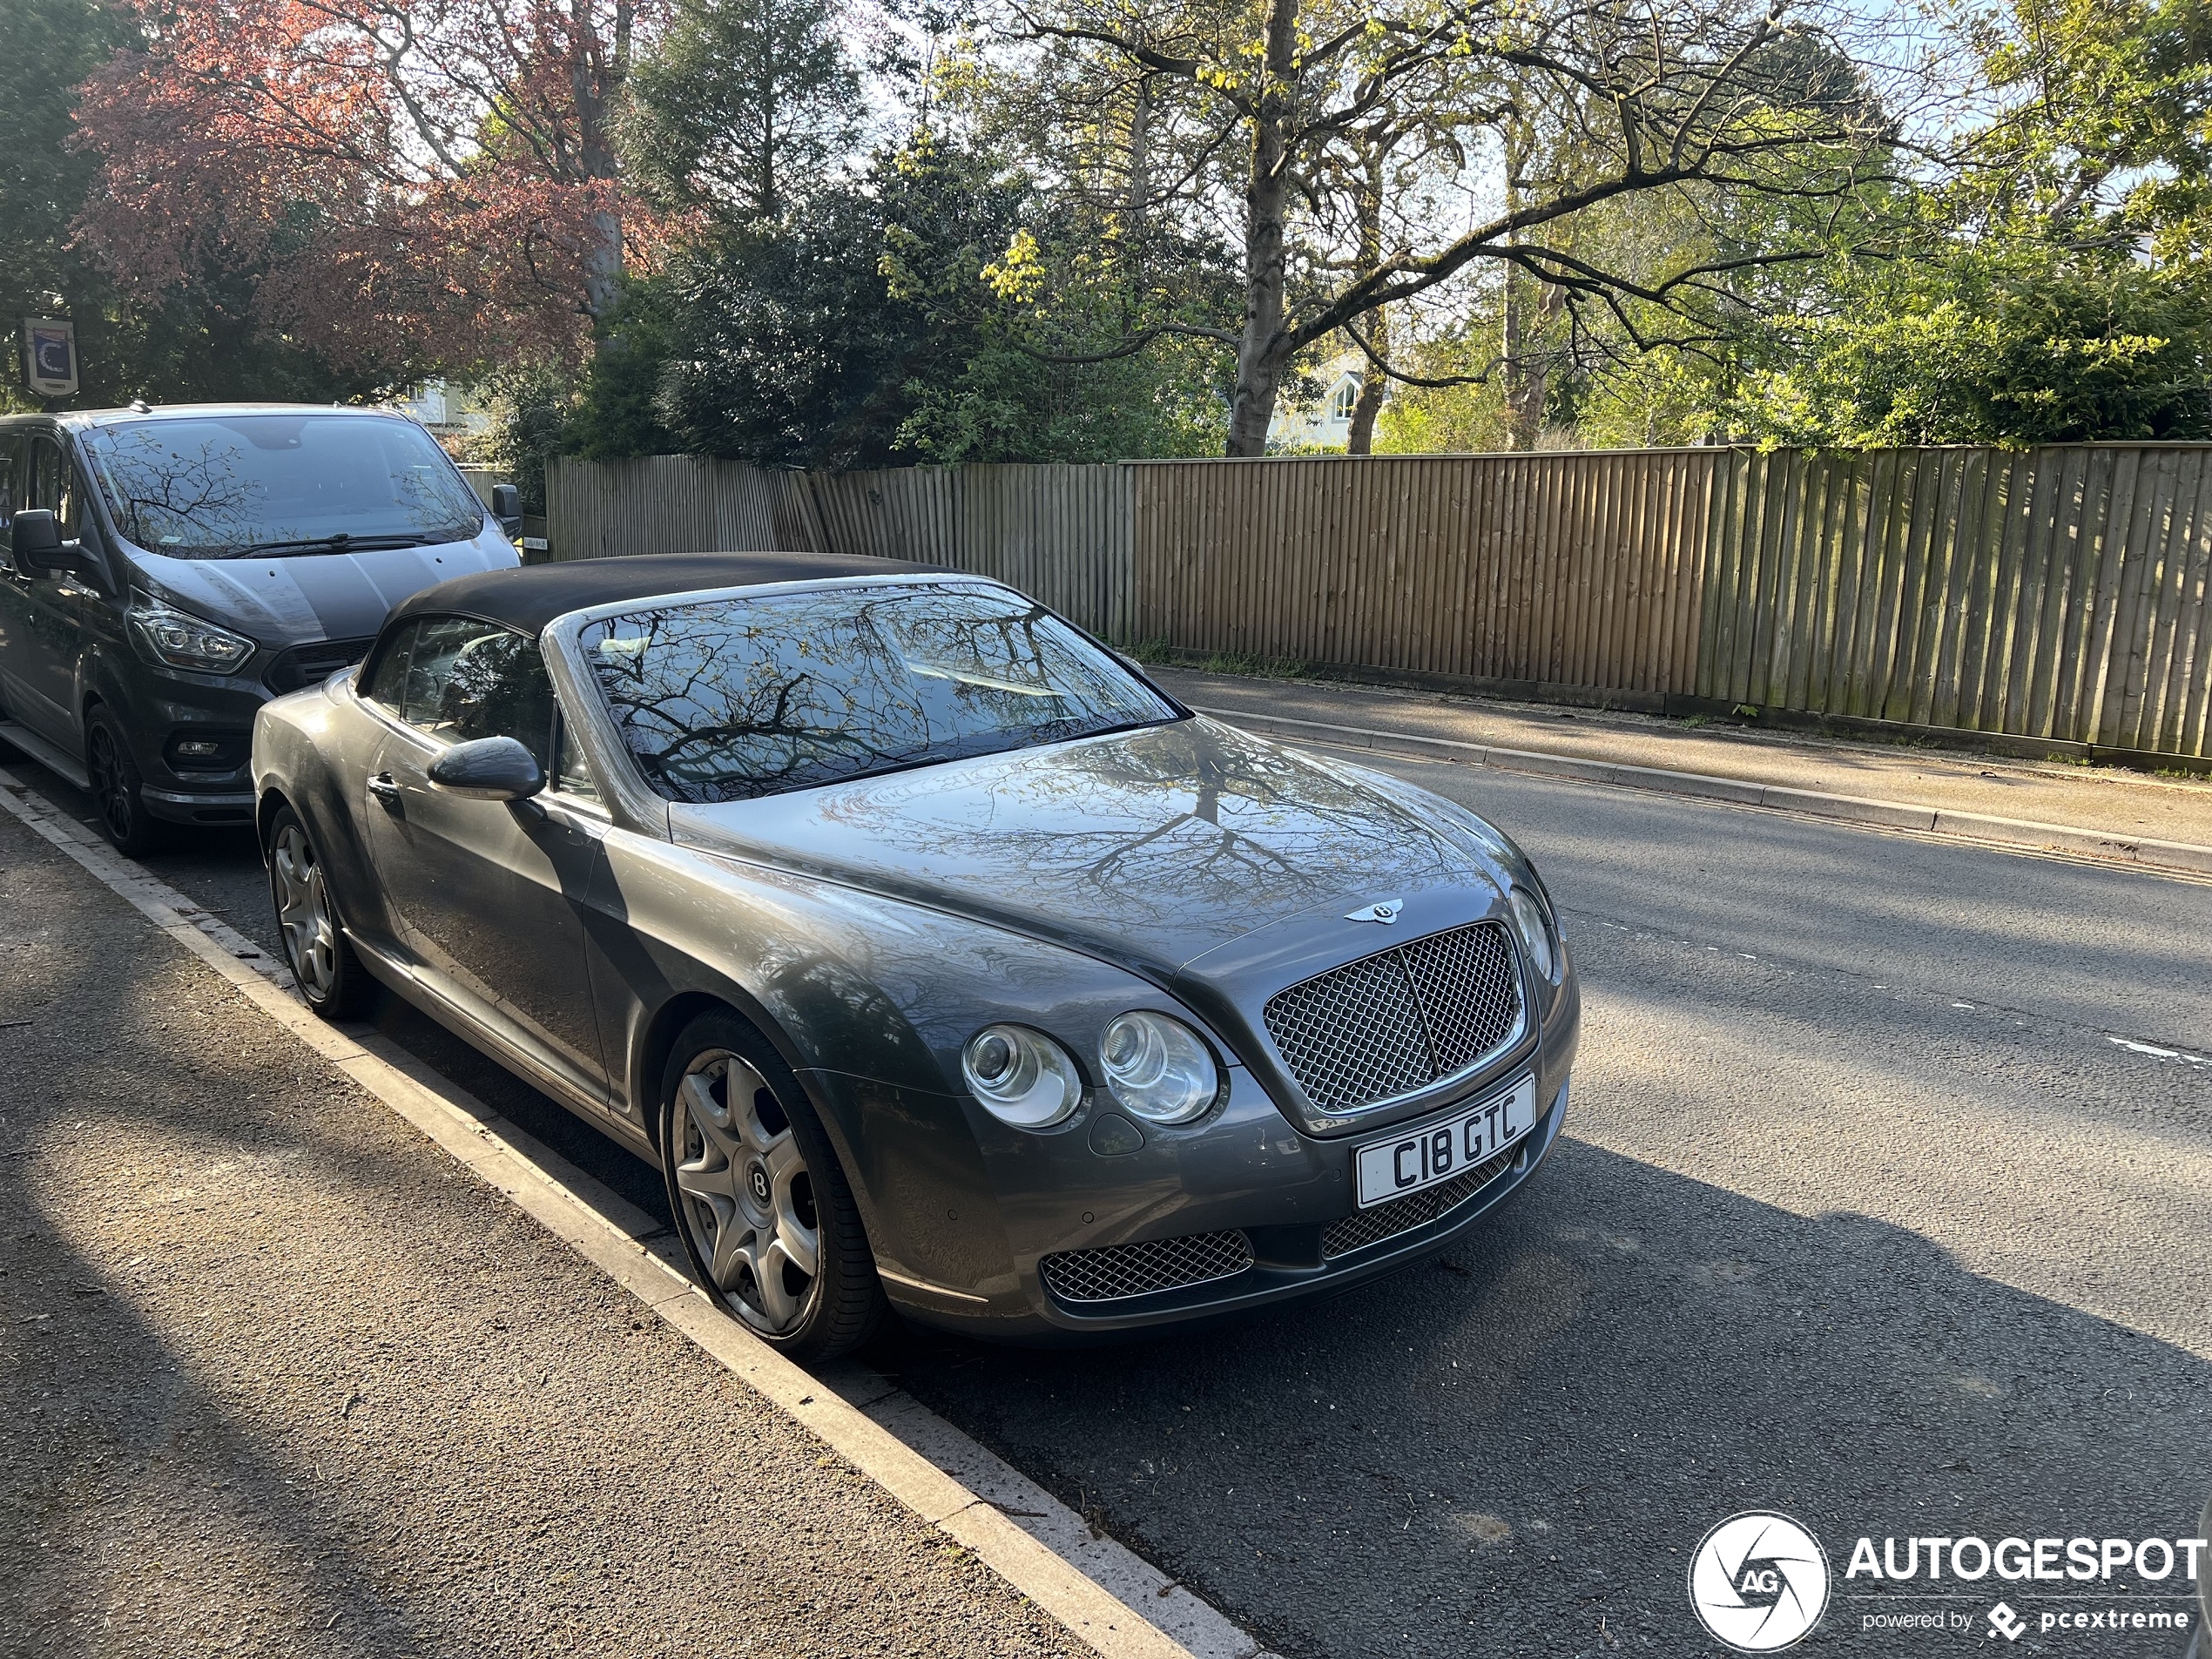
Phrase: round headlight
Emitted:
{"points": [[1157, 1068], [1022, 1076], [1535, 931]]}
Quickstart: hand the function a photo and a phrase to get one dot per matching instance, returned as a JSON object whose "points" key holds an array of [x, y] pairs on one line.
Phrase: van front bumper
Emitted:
{"points": [[189, 807]]}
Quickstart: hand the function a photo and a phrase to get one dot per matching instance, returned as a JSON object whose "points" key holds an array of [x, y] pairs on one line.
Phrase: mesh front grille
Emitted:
{"points": [[1120, 1270], [1388, 1023], [1415, 1210]]}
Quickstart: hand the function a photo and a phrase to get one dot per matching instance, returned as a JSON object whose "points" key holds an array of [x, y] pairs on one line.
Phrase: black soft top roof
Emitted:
{"points": [[532, 596]]}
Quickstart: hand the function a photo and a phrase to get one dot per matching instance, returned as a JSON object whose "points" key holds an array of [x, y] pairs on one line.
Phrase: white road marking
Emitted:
{"points": [[1119, 1603], [2156, 1053]]}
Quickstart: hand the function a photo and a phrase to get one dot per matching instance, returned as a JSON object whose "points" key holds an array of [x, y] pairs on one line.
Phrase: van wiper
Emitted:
{"points": [[342, 541]]}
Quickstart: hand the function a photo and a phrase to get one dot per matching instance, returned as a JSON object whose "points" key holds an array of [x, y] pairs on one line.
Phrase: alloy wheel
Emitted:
{"points": [[110, 788], [303, 912], [747, 1196]]}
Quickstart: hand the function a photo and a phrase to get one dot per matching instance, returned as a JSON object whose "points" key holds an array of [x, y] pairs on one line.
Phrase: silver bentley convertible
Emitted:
{"points": [[939, 959]]}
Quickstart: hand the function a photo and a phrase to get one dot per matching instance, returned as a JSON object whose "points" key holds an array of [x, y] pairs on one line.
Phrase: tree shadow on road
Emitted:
{"points": [[1493, 1452]]}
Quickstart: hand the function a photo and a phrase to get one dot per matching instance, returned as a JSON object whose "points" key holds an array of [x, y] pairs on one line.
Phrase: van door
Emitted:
{"points": [[42, 624]]}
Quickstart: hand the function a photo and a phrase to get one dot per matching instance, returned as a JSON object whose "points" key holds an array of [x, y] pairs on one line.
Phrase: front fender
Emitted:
{"points": [[870, 1000], [298, 755]]}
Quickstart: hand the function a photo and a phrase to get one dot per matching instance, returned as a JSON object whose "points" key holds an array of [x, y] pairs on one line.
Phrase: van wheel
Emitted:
{"points": [[766, 1216], [118, 790]]}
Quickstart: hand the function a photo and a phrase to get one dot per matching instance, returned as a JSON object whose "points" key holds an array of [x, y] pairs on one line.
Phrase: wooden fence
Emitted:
{"points": [[2059, 594], [1060, 533], [2054, 593], [1574, 569]]}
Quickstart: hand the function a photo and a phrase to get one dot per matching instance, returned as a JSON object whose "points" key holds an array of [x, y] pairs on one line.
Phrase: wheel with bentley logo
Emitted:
{"points": [[329, 975], [766, 1215]]}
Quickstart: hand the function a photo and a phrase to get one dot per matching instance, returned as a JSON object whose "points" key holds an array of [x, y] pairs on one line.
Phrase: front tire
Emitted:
{"points": [[118, 790], [329, 975], [766, 1215]]}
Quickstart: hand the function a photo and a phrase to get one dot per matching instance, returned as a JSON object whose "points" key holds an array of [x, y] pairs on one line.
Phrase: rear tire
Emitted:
{"points": [[118, 792], [766, 1215], [329, 975]]}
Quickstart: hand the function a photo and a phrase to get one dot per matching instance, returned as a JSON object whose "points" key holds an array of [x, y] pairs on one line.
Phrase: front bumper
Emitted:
{"points": [[185, 807], [1272, 1205], [1292, 1263]]}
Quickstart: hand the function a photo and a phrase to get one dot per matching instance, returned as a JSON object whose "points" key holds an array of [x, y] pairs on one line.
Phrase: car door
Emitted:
{"points": [[487, 896], [41, 626]]}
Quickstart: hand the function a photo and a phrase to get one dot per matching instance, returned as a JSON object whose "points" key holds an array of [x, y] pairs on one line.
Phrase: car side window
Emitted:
{"points": [[390, 678], [572, 776], [467, 679]]}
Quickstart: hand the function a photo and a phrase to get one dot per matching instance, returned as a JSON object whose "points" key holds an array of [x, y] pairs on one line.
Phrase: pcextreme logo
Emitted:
{"points": [[1758, 1581]]}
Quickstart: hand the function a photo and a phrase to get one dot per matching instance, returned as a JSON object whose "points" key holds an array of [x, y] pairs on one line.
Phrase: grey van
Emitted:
{"points": [[165, 572]]}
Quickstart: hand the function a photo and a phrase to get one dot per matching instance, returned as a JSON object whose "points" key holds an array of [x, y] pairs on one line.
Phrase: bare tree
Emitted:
{"points": [[1492, 125]]}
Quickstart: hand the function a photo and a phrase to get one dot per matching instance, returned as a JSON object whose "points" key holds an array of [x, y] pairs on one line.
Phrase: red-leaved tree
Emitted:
{"points": [[413, 184]]}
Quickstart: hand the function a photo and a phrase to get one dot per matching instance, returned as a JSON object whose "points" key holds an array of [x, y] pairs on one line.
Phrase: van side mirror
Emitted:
{"points": [[36, 538], [506, 508], [35, 543]]}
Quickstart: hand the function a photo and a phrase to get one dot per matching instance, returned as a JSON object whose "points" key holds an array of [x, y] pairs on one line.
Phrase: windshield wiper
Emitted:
{"points": [[342, 541]]}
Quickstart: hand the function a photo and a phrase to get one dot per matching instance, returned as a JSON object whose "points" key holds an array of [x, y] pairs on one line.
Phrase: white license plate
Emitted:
{"points": [[1397, 1165]]}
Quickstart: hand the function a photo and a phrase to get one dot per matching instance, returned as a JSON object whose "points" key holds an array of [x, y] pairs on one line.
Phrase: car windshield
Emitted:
{"points": [[729, 700], [212, 486]]}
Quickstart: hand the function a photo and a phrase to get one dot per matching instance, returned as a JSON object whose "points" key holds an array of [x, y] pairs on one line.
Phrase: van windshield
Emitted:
{"points": [[217, 487]]}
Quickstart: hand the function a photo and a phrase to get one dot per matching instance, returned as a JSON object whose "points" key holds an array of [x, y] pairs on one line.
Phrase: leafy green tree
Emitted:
{"points": [[2008, 349], [744, 108], [2061, 291]]}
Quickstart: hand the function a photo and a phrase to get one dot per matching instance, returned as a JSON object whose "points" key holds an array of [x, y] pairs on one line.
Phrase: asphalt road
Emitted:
{"points": [[1885, 1201]]}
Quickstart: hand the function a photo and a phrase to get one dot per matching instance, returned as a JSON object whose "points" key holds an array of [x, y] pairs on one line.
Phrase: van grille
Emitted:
{"points": [[312, 665], [1392, 1022]]}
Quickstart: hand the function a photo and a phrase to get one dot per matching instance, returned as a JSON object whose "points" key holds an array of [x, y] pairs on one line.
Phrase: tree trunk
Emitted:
{"points": [[1140, 154], [1360, 441], [1521, 369], [1262, 349], [1526, 384], [592, 82]]}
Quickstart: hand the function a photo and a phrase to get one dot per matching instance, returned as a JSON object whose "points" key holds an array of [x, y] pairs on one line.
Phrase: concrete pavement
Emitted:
{"points": [[2107, 798], [281, 1378]]}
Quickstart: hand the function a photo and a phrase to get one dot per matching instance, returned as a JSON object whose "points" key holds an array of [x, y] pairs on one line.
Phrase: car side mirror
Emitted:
{"points": [[488, 769], [506, 508]]}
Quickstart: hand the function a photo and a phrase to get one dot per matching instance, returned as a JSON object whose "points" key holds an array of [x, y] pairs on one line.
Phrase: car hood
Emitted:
{"points": [[1148, 848], [308, 598]]}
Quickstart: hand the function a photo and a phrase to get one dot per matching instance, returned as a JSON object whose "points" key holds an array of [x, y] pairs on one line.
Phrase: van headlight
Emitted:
{"points": [[1533, 924], [1022, 1076], [182, 640], [1158, 1068]]}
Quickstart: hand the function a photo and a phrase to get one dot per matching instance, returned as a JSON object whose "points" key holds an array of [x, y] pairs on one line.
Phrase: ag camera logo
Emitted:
{"points": [[1758, 1581]]}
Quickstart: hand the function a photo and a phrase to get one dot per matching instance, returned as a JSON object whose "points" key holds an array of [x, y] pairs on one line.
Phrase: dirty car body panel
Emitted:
{"points": [[1346, 948]]}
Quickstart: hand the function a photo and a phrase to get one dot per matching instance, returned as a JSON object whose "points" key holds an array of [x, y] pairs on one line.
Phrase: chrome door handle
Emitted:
{"points": [[385, 788]]}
